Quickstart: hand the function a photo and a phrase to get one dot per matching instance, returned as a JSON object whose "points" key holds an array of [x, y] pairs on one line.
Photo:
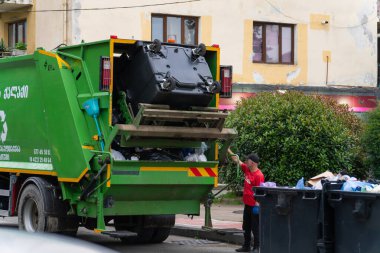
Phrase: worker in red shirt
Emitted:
{"points": [[252, 177]]}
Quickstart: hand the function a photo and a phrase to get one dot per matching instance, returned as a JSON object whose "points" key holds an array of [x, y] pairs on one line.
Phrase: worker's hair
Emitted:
{"points": [[254, 158]]}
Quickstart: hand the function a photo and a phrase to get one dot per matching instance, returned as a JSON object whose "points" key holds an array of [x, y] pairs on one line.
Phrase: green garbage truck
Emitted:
{"points": [[118, 132]]}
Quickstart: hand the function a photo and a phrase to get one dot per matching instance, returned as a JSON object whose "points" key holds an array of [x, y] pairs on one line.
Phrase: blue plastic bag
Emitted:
{"points": [[256, 209], [356, 186], [300, 184]]}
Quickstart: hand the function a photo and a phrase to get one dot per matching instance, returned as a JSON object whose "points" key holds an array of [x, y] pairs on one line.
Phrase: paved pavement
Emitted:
{"points": [[226, 221], [223, 217], [171, 245]]}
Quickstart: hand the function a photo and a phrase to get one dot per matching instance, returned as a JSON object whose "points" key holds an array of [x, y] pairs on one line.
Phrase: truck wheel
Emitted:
{"points": [[31, 215], [38, 199], [69, 226], [144, 235], [162, 232], [160, 235]]}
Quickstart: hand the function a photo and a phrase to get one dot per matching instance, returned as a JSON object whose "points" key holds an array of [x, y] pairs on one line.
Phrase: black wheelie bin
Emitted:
{"points": [[296, 220], [288, 219], [356, 221]]}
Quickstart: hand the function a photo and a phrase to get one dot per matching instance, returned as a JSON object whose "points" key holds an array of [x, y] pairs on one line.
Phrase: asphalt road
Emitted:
{"points": [[171, 245]]}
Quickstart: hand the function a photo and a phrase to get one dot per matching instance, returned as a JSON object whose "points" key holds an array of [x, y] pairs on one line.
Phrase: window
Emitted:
{"points": [[273, 43], [175, 29], [16, 33]]}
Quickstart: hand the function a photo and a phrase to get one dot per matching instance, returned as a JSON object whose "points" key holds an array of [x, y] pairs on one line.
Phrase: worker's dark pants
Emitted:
{"points": [[250, 225]]}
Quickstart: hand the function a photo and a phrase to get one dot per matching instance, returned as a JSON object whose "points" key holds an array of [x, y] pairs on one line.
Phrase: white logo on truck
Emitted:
{"points": [[4, 131]]}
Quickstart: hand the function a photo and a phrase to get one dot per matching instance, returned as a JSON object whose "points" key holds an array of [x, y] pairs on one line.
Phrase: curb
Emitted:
{"points": [[233, 236]]}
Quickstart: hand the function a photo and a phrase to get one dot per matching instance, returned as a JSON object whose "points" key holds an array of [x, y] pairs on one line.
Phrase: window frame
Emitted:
{"points": [[164, 32], [263, 47], [16, 24]]}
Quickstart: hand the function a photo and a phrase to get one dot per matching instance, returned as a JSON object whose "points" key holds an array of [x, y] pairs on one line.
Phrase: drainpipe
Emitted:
{"points": [[65, 21], [327, 70]]}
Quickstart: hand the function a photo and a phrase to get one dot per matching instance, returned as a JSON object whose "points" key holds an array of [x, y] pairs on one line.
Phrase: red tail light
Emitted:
{"points": [[105, 73], [226, 81]]}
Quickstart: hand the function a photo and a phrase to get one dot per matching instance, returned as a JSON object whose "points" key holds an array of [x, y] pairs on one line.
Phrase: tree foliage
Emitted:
{"points": [[295, 135], [371, 141]]}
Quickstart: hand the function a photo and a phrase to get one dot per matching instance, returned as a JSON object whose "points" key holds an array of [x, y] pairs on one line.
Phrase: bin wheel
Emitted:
{"points": [[155, 46], [216, 87], [169, 84], [31, 216], [200, 50]]}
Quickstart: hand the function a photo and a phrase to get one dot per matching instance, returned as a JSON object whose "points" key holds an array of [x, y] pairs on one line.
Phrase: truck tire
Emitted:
{"points": [[69, 226], [144, 235], [31, 215], [160, 235], [149, 228], [41, 210]]}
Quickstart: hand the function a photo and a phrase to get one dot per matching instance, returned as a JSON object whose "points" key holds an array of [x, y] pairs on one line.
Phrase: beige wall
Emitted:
{"points": [[50, 29], [350, 38]]}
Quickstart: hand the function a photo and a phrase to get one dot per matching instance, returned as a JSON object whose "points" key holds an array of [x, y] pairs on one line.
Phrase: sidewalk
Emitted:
{"points": [[226, 221]]}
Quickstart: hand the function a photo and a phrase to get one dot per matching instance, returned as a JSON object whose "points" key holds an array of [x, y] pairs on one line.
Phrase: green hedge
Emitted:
{"points": [[295, 135], [371, 142]]}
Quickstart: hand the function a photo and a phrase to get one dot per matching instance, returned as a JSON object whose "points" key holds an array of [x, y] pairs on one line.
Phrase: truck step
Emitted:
{"points": [[5, 193], [119, 234], [4, 213]]}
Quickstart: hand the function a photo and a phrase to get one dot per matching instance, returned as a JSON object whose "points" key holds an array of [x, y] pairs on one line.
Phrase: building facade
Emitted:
{"points": [[267, 42]]}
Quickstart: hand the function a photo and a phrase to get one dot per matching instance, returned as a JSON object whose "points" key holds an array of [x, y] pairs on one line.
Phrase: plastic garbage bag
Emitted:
{"points": [[268, 184], [357, 186], [300, 184], [376, 189], [117, 156], [256, 209], [199, 155]]}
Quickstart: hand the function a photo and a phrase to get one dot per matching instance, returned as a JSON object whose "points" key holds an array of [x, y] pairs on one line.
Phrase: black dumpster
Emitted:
{"points": [[174, 75], [288, 219], [356, 221]]}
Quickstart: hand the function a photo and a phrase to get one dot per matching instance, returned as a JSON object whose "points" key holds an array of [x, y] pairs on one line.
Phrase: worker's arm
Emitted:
{"points": [[234, 157]]}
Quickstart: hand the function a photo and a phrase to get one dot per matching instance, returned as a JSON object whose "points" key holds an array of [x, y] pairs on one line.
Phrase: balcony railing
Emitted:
{"points": [[11, 5]]}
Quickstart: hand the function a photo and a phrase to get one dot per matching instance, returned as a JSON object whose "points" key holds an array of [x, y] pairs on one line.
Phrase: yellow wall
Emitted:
{"points": [[274, 73], [1, 27], [206, 30], [318, 22], [146, 26]]}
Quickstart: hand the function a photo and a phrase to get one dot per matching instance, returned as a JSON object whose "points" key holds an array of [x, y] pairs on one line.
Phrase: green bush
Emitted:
{"points": [[295, 135], [371, 142]]}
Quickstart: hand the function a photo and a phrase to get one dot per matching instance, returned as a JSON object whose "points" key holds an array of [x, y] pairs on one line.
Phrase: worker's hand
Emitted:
{"points": [[234, 157]]}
